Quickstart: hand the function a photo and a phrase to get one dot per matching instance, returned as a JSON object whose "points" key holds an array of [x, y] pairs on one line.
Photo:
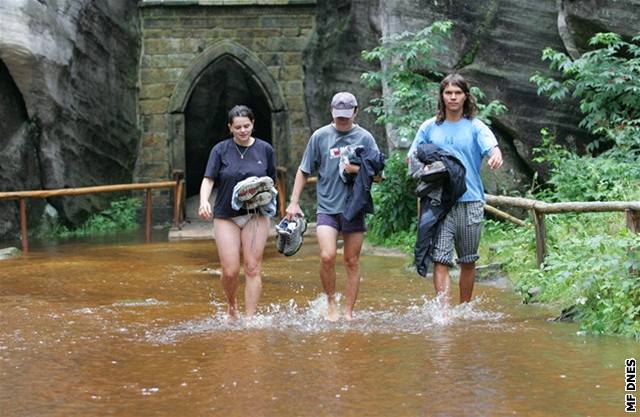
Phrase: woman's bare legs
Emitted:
{"points": [[227, 235], [254, 238]]}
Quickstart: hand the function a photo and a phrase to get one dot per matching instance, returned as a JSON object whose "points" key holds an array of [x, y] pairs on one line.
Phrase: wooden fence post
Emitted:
{"points": [[541, 236], [147, 227], [23, 226], [178, 176], [633, 223], [633, 220]]}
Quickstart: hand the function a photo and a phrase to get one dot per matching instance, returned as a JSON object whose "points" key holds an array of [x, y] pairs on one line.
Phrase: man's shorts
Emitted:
{"points": [[461, 228], [341, 224]]}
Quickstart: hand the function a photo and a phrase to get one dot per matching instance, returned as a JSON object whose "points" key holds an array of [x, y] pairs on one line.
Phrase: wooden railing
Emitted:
{"points": [[177, 184], [539, 209]]}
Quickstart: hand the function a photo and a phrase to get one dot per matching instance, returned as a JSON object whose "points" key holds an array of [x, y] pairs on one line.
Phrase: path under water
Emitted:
{"points": [[139, 330]]}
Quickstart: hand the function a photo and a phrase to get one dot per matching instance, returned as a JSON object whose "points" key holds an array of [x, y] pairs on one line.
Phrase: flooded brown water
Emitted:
{"points": [[139, 330]]}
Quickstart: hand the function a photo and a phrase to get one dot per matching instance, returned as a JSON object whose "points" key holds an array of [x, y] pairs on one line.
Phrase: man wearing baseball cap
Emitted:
{"points": [[322, 156]]}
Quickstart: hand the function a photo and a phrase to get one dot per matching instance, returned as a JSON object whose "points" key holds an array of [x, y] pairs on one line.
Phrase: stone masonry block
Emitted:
{"points": [[151, 91], [229, 22], [156, 140], [292, 58], [259, 33], [291, 73], [154, 106], [191, 45], [286, 44], [270, 58], [160, 75], [160, 46], [296, 103], [167, 61], [293, 88], [279, 22], [159, 23], [154, 123], [156, 171]]}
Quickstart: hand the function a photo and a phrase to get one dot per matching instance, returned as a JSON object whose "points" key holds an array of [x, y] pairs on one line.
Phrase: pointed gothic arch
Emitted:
{"points": [[227, 52]]}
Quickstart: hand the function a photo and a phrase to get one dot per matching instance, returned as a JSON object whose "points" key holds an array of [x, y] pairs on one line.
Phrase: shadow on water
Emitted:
{"points": [[130, 329]]}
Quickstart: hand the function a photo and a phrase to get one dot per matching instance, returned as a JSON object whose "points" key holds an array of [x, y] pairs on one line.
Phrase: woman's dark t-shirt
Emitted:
{"points": [[226, 168]]}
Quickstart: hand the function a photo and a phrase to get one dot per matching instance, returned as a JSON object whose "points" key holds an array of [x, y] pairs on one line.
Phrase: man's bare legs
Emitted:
{"points": [[352, 248], [467, 279], [327, 238], [442, 282]]}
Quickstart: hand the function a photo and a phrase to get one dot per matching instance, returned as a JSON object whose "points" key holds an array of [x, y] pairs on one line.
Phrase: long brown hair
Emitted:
{"points": [[469, 108]]}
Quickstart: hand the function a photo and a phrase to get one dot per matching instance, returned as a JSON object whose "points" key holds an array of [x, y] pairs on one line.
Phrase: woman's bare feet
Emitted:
{"points": [[332, 310], [232, 312]]}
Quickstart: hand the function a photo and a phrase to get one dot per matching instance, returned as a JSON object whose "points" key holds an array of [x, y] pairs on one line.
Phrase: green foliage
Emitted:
{"points": [[408, 68], [121, 215], [593, 259], [590, 261], [586, 178], [395, 204], [406, 60], [606, 80], [589, 267]]}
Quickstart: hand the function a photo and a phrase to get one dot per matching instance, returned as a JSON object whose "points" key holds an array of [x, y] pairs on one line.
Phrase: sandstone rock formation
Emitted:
{"points": [[496, 44], [68, 75], [69, 101]]}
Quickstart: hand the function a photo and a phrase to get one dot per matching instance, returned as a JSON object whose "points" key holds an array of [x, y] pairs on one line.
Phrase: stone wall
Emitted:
{"points": [[177, 39]]}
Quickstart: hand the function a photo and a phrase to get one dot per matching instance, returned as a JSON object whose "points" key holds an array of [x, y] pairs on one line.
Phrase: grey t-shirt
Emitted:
{"points": [[323, 156]]}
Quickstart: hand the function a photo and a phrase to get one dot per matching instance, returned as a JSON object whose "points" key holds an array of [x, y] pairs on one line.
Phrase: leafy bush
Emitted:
{"points": [[607, 83], [395, 204], [589, 268], [121, 215], [406, 60], [587, 178]]}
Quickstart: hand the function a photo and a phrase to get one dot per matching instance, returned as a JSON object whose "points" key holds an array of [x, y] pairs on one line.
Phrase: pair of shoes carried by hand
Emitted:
{"points": [[289, 235]]}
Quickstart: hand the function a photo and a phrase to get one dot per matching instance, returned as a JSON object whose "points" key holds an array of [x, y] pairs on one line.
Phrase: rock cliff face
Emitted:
{"points": [[68, 75], [496, 44], [344, 28], [68, 72]]}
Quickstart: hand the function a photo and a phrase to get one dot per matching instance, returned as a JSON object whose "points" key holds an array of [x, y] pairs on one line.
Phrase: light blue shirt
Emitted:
{"points": [[469, 140]]}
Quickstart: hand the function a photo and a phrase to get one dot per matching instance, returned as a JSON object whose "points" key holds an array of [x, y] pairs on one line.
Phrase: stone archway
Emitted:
{"points": [[219, 77]]}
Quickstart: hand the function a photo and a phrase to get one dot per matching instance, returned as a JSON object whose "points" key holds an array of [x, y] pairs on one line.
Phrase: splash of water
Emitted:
{"points": [[419, 317]]}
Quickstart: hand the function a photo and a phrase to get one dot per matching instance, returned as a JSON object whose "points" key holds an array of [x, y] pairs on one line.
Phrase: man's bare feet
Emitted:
{"points": [[332, 310], [348, 315]]}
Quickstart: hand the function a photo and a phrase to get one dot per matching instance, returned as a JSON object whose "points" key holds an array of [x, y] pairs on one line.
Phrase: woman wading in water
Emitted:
{"points": [[238, 232]]}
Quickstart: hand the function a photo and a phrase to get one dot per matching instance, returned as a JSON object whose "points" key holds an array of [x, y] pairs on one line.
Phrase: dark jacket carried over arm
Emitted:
{"points": [[434, 210], [371, 164]]}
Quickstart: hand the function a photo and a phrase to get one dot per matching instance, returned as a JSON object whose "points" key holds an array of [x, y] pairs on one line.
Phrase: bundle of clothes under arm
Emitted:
{"points": [[371, 164], [441, 183]]}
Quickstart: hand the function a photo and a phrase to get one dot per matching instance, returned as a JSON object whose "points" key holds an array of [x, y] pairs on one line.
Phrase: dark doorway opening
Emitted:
{"points": [[224, 84]]}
